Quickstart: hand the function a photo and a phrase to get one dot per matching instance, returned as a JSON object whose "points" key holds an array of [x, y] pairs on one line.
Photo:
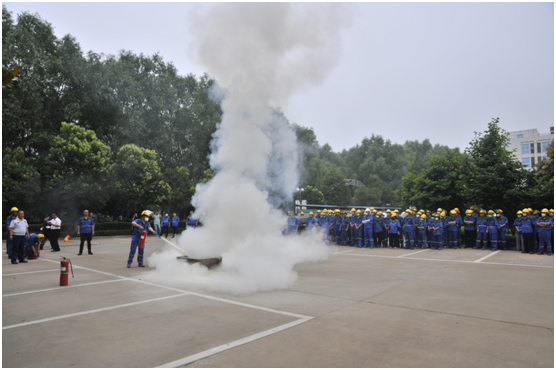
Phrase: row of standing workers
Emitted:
{"points": [[425, 229]]}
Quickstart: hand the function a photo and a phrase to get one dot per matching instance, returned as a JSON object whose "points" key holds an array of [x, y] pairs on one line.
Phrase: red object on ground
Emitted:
{"points": [[64, 267]]}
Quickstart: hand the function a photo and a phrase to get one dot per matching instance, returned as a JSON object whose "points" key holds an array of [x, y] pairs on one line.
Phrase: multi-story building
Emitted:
{"points": [[529, 146]]}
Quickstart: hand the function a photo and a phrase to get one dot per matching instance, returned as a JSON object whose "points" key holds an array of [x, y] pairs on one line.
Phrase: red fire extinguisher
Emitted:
{"points": [[64, 264], [142, 240]]}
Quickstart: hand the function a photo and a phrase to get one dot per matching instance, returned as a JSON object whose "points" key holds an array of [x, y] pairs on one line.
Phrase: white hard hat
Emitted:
{"points": [[367, 210]]}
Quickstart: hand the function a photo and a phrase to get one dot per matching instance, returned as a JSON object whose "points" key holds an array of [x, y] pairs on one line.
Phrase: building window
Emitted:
{"points": [[532, 161], [526, 162], [538, 147], [532, 148], [539, 159], [525, 149], [520, 136], [545, 145]]}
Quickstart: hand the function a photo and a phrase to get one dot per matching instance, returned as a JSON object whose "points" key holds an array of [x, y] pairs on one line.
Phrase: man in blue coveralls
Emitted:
{"points": [[139, 225], [482, 229], [293, 223], [501, 224], [544, 224], [492, 230], [409, 230], [368, 229], [311, 221], [86, 229], [175, 224]]}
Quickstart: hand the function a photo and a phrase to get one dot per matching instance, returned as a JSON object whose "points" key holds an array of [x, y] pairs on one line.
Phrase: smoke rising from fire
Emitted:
{"points": [[260, 54]]}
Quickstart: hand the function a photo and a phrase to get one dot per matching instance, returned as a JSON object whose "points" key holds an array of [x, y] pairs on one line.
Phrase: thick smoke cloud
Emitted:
{"points": [[260, 54]]}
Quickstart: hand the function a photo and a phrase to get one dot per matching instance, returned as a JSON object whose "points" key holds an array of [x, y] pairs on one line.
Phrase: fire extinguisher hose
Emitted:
{"points": [[71, 266]]}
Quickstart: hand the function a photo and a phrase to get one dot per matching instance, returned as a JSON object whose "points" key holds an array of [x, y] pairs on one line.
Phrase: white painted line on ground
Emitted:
{"points": [[91, 311], [227, 346], [487, 256], [453, 261], [409, 254], [198, 294], [30, 272], [61, 287]]}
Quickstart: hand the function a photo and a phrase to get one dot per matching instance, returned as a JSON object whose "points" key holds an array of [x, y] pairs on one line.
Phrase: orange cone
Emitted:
{"points": [[66, 238]]}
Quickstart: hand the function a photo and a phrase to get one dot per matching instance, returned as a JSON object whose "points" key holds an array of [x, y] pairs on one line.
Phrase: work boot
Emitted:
{"points": [[79, 254], [129, 265], [23, 261], [141, 265], [91, 253], [14, 262]]}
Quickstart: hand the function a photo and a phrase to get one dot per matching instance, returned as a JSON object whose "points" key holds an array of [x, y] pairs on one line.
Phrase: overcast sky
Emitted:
{"points": [[408, 71]]}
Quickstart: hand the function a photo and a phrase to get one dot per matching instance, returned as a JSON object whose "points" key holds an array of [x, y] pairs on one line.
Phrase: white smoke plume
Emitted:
{"points": [[260, 54]]}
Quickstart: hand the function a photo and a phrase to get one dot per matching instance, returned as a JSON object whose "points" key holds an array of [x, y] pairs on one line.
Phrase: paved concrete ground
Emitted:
{"points": [[361, 308]]}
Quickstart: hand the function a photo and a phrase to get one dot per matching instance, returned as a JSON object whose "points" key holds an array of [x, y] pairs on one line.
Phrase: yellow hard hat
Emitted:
{"points": [[482, 211], [457, 209], [536, 212], [544, 210], [526, 210], [302, 213], [379, 213], [551, 210], [423, 216], [325, 210], [443, 214], [519, 212], [422, 211], [408, 211], [388, 211], [468, 211], [318, 211], [452, 212], [336, 210], [358, 211], [490, 212], [374, 211], [14, 209], [146, 212], [311, 213], [352, 210], [530, 209]]}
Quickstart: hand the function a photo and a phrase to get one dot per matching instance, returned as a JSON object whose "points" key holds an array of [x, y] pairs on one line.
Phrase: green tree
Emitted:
{"points": [[181, 190], [78, 168], [367, 196], [312, 195], [139, 180], [541, 186], [20, 182], [441, 185], [495, 178]]}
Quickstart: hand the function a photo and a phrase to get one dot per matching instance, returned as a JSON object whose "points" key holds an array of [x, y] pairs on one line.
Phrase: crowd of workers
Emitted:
{"points": [[370, 228]]}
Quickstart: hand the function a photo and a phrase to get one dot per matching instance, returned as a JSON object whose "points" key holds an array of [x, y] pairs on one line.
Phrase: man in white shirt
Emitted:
{"points": [[55, 225], [19, 233]]}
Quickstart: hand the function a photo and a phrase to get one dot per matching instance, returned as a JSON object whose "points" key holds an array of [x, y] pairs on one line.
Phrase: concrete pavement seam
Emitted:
{"points": [[460, 315]]}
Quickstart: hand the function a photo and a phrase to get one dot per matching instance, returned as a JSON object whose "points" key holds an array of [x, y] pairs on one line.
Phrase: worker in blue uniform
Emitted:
{"points": [[32, 244], [139, 225], [368, 229], [385, 233], [501, 225], [453, 225], [421, 226], [527, 232], [544, 225], [518, 235], [394, 227], [429, 220], [345, 228], [378, 227], [492, 230], [311, 221], [469, 228], [437, 230], [338, 226], [358, 228], [11, 216], [482, 230], [409, 230], [293, 224], [175, 223]]}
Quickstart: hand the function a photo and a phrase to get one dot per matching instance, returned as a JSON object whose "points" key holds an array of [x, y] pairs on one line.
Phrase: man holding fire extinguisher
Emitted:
{"points": [[138, 238]]}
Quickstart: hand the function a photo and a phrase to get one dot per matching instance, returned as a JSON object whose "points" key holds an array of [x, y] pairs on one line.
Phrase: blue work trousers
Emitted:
{"points": [[422, 239], [132, 249], [453, 238], [384, 238], [345, 234], [436, 241], [368, 237], [18, 246], [481, 239], [409, 238], [493, 236], [502, 238], [545, 239]]}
